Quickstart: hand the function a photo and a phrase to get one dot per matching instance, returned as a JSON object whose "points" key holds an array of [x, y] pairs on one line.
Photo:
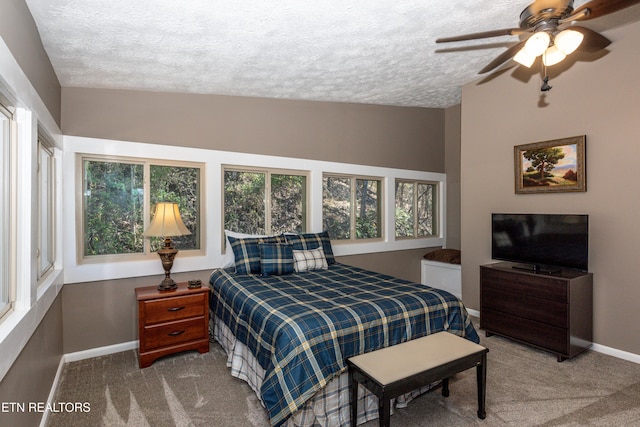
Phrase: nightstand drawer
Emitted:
{"points": [[172, 333], [171, 322], [174, 308]]}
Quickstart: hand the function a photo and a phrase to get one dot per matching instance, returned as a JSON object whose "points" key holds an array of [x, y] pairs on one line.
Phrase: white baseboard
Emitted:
{"points": [[81, 355], [620, 354], [52, 392], [100, 351], [474, 313]]}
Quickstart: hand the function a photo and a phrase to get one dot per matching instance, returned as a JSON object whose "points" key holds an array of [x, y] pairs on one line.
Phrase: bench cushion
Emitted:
{"points": [[400, 361]]}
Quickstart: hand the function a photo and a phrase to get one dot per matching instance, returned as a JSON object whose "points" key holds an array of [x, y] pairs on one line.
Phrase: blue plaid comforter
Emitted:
{"points": [[302, 327]]}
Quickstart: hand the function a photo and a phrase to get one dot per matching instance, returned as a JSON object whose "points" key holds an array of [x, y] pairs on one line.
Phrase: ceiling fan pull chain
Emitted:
{"points": [[545, 81]]}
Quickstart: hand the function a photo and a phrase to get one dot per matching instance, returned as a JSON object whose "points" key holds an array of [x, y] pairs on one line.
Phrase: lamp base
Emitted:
{"points": [[167, 253], [167, 284]]}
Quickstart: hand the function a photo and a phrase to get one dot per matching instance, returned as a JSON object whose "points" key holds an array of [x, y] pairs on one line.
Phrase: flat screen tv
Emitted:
{"points": [[541, 242]]}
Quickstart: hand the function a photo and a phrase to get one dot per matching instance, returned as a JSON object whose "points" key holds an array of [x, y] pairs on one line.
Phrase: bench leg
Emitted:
{"points": [[481, 370], [354, 399], [445, 387], [384, 411]]}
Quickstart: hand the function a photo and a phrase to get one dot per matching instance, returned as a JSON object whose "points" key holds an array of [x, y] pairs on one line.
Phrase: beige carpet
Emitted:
{"points": [[525, 387]]}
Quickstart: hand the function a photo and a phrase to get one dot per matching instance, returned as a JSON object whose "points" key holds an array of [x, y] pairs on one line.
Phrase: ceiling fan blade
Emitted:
{"points": [[484, 35], [503, 57], [593, 41], [551, 4], [597, 8]]}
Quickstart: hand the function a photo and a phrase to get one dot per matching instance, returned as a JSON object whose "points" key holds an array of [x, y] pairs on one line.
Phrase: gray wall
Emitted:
{"points": [[452, 168], [403, 264], [19, 32], [397, 137], [104, 312], [596, 98], [408, 138], [31, 375]]}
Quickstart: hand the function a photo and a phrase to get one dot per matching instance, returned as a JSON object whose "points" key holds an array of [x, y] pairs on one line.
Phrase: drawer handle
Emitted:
{"points": [[175, 334], [176, 308]]}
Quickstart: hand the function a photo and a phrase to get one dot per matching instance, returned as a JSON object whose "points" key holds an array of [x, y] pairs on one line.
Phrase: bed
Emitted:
{"points": [[288, 335]]}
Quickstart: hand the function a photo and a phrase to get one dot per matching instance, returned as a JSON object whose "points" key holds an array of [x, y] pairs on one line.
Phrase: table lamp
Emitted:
{"points": [[167, 223]]}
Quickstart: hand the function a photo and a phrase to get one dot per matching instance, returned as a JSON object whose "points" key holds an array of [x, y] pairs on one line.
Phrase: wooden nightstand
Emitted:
{"points": [[172, 321]]}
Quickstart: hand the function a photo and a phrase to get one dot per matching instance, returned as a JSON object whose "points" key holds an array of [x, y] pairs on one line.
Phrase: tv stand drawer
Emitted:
{"points": [[552, 312], [528, 331], [526, 306], [526, 283]]}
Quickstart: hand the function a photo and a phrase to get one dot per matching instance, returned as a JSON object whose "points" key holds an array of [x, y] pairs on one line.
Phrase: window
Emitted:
{"points": [[46, 206], [264, 201], [7, 291], [119, 196], [416, 204], [181, 185], [352, 207]]}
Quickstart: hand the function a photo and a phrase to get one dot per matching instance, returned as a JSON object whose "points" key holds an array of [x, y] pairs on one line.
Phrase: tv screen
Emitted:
{"points": [[541, 240]]}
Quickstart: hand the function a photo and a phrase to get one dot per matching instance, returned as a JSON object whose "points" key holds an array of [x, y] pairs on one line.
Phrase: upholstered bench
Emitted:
{"points": [[392, 371]]}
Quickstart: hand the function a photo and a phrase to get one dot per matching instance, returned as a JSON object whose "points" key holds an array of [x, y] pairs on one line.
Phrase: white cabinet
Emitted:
{"points": [[442, 275]]}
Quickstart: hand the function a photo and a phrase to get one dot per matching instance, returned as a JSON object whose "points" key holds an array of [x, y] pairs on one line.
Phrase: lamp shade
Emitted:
{"points": [[552, 56], [537, 43], [167, 222], [568, 41], [524, 58]]}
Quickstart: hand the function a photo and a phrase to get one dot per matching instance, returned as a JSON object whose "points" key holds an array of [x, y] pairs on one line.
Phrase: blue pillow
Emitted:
{"points": [[276, 259], [247, 252], [309, 241]]}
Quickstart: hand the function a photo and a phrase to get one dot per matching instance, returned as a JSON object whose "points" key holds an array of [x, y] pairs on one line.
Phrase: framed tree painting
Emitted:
{"points": [[554, 166]]}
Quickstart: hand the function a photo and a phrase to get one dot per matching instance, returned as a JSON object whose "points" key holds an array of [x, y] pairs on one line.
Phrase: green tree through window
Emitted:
{"points": [[352, 207], [264, 201], [113, 208], [114, 205], [179, 185], [416, 205]]}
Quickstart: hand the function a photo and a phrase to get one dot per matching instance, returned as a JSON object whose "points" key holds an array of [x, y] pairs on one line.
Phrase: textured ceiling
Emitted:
{"points": [[363, 51]]}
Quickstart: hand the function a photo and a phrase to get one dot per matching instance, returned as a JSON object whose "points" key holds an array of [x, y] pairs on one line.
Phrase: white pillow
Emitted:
{"points": [[229, 258], [313, 259]]}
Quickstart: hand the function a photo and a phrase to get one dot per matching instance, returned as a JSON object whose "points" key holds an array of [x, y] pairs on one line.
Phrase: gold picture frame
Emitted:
{"points": [[554, 166]]}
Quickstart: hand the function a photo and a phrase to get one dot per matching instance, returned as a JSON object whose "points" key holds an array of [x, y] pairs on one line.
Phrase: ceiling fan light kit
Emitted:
{"points": [[537, 43], [524, 58], [568, 41], [543, 21], [553, 48], [552, 56]]}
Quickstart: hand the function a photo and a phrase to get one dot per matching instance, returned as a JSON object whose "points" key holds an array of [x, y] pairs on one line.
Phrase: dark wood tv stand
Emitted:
{"points": [[551, 312]]}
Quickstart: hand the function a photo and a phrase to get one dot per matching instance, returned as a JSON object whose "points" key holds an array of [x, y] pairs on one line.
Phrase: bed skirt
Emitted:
{"points": [[329, 407]]}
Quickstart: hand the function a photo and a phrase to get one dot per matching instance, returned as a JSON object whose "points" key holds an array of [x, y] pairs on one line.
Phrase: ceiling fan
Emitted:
{"points": [[549, 31]]}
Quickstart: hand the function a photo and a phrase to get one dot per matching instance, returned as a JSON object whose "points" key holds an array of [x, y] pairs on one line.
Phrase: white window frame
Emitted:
{"points": [[46, 206], [268, 172], [32, 300], [352, 220], [436, 211], [146, 253], [8, 223], [214, 161]]}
